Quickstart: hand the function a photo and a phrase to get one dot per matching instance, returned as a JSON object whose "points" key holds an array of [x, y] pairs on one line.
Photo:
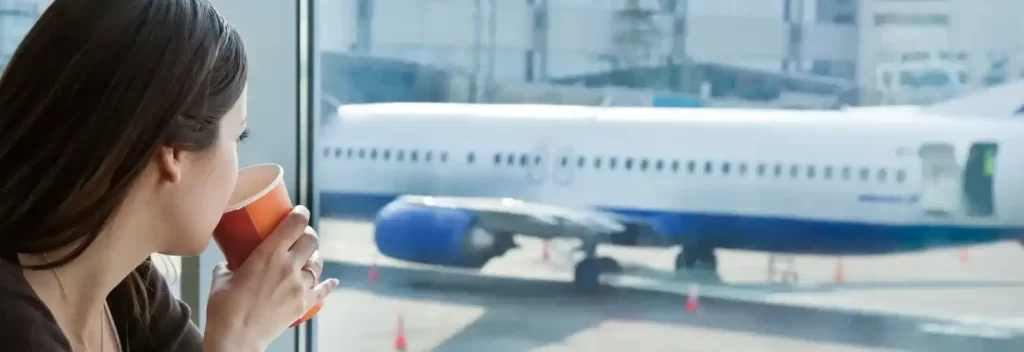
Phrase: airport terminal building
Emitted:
{"points": [[884, 51]]}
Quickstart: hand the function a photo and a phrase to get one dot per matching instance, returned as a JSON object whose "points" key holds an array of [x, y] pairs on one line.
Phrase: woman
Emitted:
{"points": [[119, 124]]}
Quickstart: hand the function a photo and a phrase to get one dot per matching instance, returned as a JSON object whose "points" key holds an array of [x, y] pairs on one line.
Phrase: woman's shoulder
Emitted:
{"points": [[27, 324]]}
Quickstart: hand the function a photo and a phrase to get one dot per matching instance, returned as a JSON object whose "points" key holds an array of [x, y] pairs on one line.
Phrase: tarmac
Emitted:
{"points": [[944, 300]]}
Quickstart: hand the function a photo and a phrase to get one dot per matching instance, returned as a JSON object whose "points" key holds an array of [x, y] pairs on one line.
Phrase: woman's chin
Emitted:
{"points": [[188, 247]]}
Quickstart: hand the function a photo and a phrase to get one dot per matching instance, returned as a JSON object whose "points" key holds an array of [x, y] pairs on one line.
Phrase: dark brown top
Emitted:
{"points": [[26, 324]]}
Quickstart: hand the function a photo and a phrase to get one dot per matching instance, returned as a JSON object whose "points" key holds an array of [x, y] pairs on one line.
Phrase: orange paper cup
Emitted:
{"points": [[259, 202]]}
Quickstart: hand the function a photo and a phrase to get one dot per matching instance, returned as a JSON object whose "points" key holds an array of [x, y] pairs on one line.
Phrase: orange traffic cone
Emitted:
{"points": [[544, 255], [400, 343], [692, 300], [839, 270]]}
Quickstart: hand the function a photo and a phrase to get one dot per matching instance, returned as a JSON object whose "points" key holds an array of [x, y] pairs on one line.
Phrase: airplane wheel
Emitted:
{"points": [[588, 273], [609, 265]]}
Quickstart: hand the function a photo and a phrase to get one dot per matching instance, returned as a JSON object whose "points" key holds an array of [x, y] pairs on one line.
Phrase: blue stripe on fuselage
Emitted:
{"points": [[783, 235]]}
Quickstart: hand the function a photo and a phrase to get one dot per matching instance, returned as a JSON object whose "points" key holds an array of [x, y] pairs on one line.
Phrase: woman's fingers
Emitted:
{"points": [[304, 246], [285, 234], [320, 292]]}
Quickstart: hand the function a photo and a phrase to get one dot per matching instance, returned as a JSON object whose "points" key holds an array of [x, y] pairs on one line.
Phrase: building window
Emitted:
{"points": [[911, 19]]}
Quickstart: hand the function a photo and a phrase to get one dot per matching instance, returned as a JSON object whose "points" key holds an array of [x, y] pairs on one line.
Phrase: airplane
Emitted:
{"points": [[451, 184]]}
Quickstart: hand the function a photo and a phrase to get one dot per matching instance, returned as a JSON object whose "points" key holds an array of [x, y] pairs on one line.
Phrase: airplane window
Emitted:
{"points": [[643, 164], [428, 156], [327, 152], [761, 168], [337, 152], [444, 157], [707, 167], [510, 159], [743, 169], [597, 162], [362, 153], [470, 158], [400, 155], [828, 172], [846, 173], [497, 159], [725, 168], [536, 159], [794, 171], [810, 171], [691, 166], [565, 161], [348, 153], [580, 162], [628, 163], [386, 154], [658, 165], [675, 165], [865, 174], [611, 163], [523, 159], [778, 170], [882, 175], [373, 154], [414, 156], [901, 176]]}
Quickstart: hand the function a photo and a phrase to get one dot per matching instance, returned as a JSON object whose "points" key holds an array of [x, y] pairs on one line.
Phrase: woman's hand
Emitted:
{"points": [[250, 307]]}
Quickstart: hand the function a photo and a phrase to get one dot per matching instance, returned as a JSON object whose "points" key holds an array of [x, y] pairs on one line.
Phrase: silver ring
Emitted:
{"points": [[316, 278]]}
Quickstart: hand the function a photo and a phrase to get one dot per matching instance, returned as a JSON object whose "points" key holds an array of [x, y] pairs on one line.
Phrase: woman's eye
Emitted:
{"points": [[244, 135]]}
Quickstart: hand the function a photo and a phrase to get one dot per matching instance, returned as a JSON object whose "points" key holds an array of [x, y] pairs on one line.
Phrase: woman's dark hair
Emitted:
{"points": [[94, 89]]}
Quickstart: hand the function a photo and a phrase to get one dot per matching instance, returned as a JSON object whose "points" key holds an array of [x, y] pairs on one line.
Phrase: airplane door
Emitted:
{"points": [[537, 164], [940, 179], [563, 165], [978, 179]]}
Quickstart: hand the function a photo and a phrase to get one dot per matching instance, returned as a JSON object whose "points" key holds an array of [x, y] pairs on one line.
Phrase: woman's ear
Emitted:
{"points": [[169, 163]]}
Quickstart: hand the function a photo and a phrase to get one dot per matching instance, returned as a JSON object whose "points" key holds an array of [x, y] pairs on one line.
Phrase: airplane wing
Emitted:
{"points": [[508, 215]]}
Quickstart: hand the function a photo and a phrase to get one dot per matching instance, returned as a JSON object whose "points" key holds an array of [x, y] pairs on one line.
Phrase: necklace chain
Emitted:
{"points": [[67, 302]]}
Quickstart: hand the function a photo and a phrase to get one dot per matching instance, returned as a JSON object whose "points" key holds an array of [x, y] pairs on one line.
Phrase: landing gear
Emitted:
{"points": [[782, 269], [697, 261], [588, 271]]}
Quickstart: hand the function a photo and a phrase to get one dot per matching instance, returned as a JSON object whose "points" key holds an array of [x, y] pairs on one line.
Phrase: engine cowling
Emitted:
{"points": [[432, 235]]}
